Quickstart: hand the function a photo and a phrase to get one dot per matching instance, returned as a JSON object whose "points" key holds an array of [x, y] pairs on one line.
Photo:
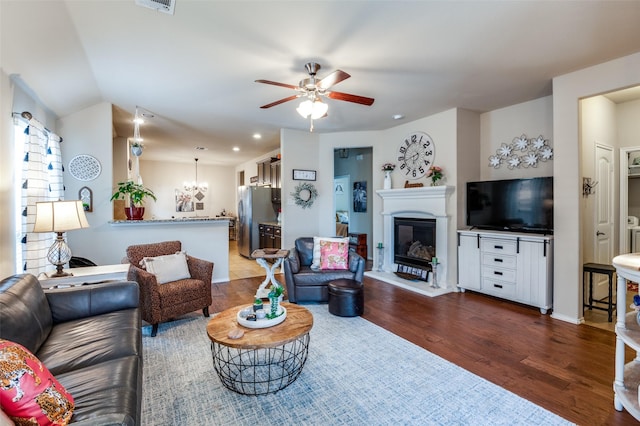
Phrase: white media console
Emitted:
{"points": [[513, 266]]}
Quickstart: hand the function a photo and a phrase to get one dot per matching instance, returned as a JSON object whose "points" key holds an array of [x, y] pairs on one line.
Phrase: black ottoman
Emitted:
{"points": [[346, 298]]}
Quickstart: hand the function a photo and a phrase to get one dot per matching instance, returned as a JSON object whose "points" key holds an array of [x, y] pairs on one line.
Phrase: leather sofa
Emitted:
{"points": [[307, 285], [89, 337]]}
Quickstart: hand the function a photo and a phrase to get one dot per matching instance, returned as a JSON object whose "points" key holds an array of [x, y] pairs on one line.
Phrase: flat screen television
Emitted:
{"points": [[517, 205]]}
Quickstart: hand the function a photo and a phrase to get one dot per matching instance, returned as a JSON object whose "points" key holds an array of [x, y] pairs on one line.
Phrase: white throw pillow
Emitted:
{"points": [[171, 267], [315, 264]]}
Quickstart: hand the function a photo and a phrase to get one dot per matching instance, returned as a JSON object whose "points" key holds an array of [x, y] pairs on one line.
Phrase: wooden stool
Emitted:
{"points": [[599, 268]]}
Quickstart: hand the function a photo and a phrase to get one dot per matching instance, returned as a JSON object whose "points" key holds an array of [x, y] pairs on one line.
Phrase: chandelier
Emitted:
{"points": [[195, 186]]}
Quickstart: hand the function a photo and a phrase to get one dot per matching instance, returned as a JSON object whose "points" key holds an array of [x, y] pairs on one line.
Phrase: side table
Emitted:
{"points": [[261, 256], [87, 275]]}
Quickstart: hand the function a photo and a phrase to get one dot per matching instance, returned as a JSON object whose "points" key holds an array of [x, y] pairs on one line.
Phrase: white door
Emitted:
{"points": [[603, 214]]}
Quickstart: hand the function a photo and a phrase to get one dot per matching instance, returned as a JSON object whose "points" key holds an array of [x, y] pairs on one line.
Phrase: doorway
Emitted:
{"points": [[354, 192]]}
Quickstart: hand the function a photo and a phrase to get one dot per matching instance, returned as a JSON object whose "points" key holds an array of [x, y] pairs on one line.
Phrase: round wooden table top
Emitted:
{"points": [[298, 322]]}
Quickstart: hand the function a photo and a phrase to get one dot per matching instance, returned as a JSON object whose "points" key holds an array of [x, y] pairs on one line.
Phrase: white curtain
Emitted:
{"points": [[40, 180]]}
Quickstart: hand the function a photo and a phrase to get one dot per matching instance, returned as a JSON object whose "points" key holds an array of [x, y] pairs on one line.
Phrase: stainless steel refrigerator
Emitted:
{"points": [[254, 206]]}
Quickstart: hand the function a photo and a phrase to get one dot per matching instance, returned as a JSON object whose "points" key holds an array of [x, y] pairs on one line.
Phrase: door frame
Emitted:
{"points": [[624, 195]]}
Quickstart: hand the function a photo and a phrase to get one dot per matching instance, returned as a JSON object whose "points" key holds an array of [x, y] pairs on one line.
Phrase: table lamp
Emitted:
{"points": [[59, 216]]}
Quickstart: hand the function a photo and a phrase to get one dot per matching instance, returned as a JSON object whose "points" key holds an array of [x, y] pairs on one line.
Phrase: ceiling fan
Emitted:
{"points": [[313, 89]]}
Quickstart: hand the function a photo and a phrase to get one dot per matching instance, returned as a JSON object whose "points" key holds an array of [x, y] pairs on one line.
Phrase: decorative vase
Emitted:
{"points": [[274, 302], [134, 213], [387, 179], [136, 150], [435, 182]]}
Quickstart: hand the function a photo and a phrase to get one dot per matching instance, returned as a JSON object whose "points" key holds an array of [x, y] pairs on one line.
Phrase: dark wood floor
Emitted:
{"points": [[567, 369]]}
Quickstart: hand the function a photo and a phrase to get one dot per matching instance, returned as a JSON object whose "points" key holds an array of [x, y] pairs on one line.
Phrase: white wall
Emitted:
{"points": [[567, 90], [164, 178], [7, 169], [501, 126]]}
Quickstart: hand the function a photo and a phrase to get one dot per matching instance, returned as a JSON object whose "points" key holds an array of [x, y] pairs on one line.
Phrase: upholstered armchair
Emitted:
{"points": [[308, 285], [161, 302]]}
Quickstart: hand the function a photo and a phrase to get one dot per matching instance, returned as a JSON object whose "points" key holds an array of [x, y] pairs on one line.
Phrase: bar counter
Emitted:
{"points": [[203, 237]]}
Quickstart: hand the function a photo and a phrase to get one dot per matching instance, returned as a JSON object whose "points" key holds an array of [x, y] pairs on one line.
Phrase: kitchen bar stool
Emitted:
{"points": [[598, 268]]}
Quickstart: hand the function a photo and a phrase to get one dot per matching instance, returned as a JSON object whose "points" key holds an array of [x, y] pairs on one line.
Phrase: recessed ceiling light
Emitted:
{"points": [[257, 136], [201, 148], [236, 149], [398, 116]]}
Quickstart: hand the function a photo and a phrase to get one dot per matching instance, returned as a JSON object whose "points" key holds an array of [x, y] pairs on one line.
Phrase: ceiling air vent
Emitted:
{"points": [[164, 6]]}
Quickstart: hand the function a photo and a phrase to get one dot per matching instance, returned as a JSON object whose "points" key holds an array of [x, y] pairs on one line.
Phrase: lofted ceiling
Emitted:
{"points": [[195, 70]]}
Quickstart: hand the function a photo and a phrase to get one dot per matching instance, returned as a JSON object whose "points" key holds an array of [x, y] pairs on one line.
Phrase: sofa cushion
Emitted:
{"points": [[29, 391], [304, 248], [92, 340], [106, 393], [309, 277], [334, 254], [167, 268], [317, 243], [25, 317]]}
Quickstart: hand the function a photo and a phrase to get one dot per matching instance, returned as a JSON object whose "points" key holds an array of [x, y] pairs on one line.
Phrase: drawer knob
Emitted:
{"points": [[497, 273], [498, 260], [498, 247], [497, 286]]}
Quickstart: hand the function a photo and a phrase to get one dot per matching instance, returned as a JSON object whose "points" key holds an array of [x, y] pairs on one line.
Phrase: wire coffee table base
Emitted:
{"points": [[260, 371]]}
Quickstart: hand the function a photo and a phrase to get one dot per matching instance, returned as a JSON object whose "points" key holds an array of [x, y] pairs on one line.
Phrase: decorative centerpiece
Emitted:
{"points": [[387, 168], [435, 173], [275, 297]]}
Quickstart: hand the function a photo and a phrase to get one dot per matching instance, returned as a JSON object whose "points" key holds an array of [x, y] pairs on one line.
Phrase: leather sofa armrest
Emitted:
{"points": [[107, 420], [72, 303], [293, 260], [200, 269], [356, 265]]}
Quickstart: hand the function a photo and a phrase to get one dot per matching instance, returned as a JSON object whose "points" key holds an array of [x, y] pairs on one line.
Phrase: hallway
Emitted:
{"points": [[240, 267]]}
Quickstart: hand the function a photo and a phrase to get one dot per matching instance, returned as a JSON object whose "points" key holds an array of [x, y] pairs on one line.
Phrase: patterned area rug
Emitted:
{"points": [[357, 374]]}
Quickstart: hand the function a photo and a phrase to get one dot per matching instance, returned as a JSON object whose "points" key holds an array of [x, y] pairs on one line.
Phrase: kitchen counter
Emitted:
{"points": [[172, 220], [202, 237]]}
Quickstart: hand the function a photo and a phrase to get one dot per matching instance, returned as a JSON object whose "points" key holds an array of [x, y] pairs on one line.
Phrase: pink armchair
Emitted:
{"points": [[161, 302]]}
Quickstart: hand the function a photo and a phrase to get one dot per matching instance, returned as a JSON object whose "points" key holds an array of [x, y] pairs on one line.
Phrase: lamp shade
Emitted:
{"points": [[316, 108], [59, 216]]}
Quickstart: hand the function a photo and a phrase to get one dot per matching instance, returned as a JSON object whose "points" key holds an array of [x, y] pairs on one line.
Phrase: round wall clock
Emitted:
{"points": [[416, 154], [84, 167]]}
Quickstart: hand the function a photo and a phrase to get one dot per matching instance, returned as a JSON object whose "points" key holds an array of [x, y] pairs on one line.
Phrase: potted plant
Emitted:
{"points": [[135, 193], [136, 149]]}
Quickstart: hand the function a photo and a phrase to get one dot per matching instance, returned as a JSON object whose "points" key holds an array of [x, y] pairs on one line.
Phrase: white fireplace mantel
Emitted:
{"points": [[422, 202]]}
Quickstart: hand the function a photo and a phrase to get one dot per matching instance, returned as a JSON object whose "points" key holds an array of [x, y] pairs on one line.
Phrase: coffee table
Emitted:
{"points": [[264, 360]]}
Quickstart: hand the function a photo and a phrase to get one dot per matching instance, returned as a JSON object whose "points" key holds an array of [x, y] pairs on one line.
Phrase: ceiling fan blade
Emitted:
{"points": [[281, 101], [275, 83], [334, 78], [351, 98]]}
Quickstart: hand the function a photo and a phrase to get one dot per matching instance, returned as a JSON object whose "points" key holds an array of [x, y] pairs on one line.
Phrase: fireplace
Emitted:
{"points": [[425, 207], [414, 245]]}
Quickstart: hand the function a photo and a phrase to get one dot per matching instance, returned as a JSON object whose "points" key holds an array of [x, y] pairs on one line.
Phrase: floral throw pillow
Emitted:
{"points": [[29, 394], [334, 255], [315, 265]]}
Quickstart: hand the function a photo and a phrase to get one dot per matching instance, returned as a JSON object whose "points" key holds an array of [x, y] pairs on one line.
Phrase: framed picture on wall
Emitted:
{"points": [[360, 197], [184, 201]]}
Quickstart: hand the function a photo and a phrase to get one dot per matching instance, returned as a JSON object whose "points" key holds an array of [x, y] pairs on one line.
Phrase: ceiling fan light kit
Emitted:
{"points": [[313, 89]]}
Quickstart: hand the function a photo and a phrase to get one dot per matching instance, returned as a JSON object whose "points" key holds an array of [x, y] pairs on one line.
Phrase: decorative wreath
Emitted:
{"points": [[305, 194]]}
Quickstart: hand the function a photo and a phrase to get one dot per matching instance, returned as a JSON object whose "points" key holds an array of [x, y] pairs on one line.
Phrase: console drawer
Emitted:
{"points": [[499, 260], [490, 272], [489, 245], [499, 288]]}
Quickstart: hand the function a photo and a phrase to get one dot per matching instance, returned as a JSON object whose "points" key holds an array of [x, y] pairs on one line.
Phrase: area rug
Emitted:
{"points": [[356, 374]]}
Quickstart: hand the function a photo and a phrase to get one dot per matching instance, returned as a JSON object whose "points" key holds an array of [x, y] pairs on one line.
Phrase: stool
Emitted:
{"points": [[599, 268], [346, 298]]}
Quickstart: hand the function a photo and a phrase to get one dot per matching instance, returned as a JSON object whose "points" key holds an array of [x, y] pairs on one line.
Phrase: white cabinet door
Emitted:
{"points": [[469, 276], [534, 268]]}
